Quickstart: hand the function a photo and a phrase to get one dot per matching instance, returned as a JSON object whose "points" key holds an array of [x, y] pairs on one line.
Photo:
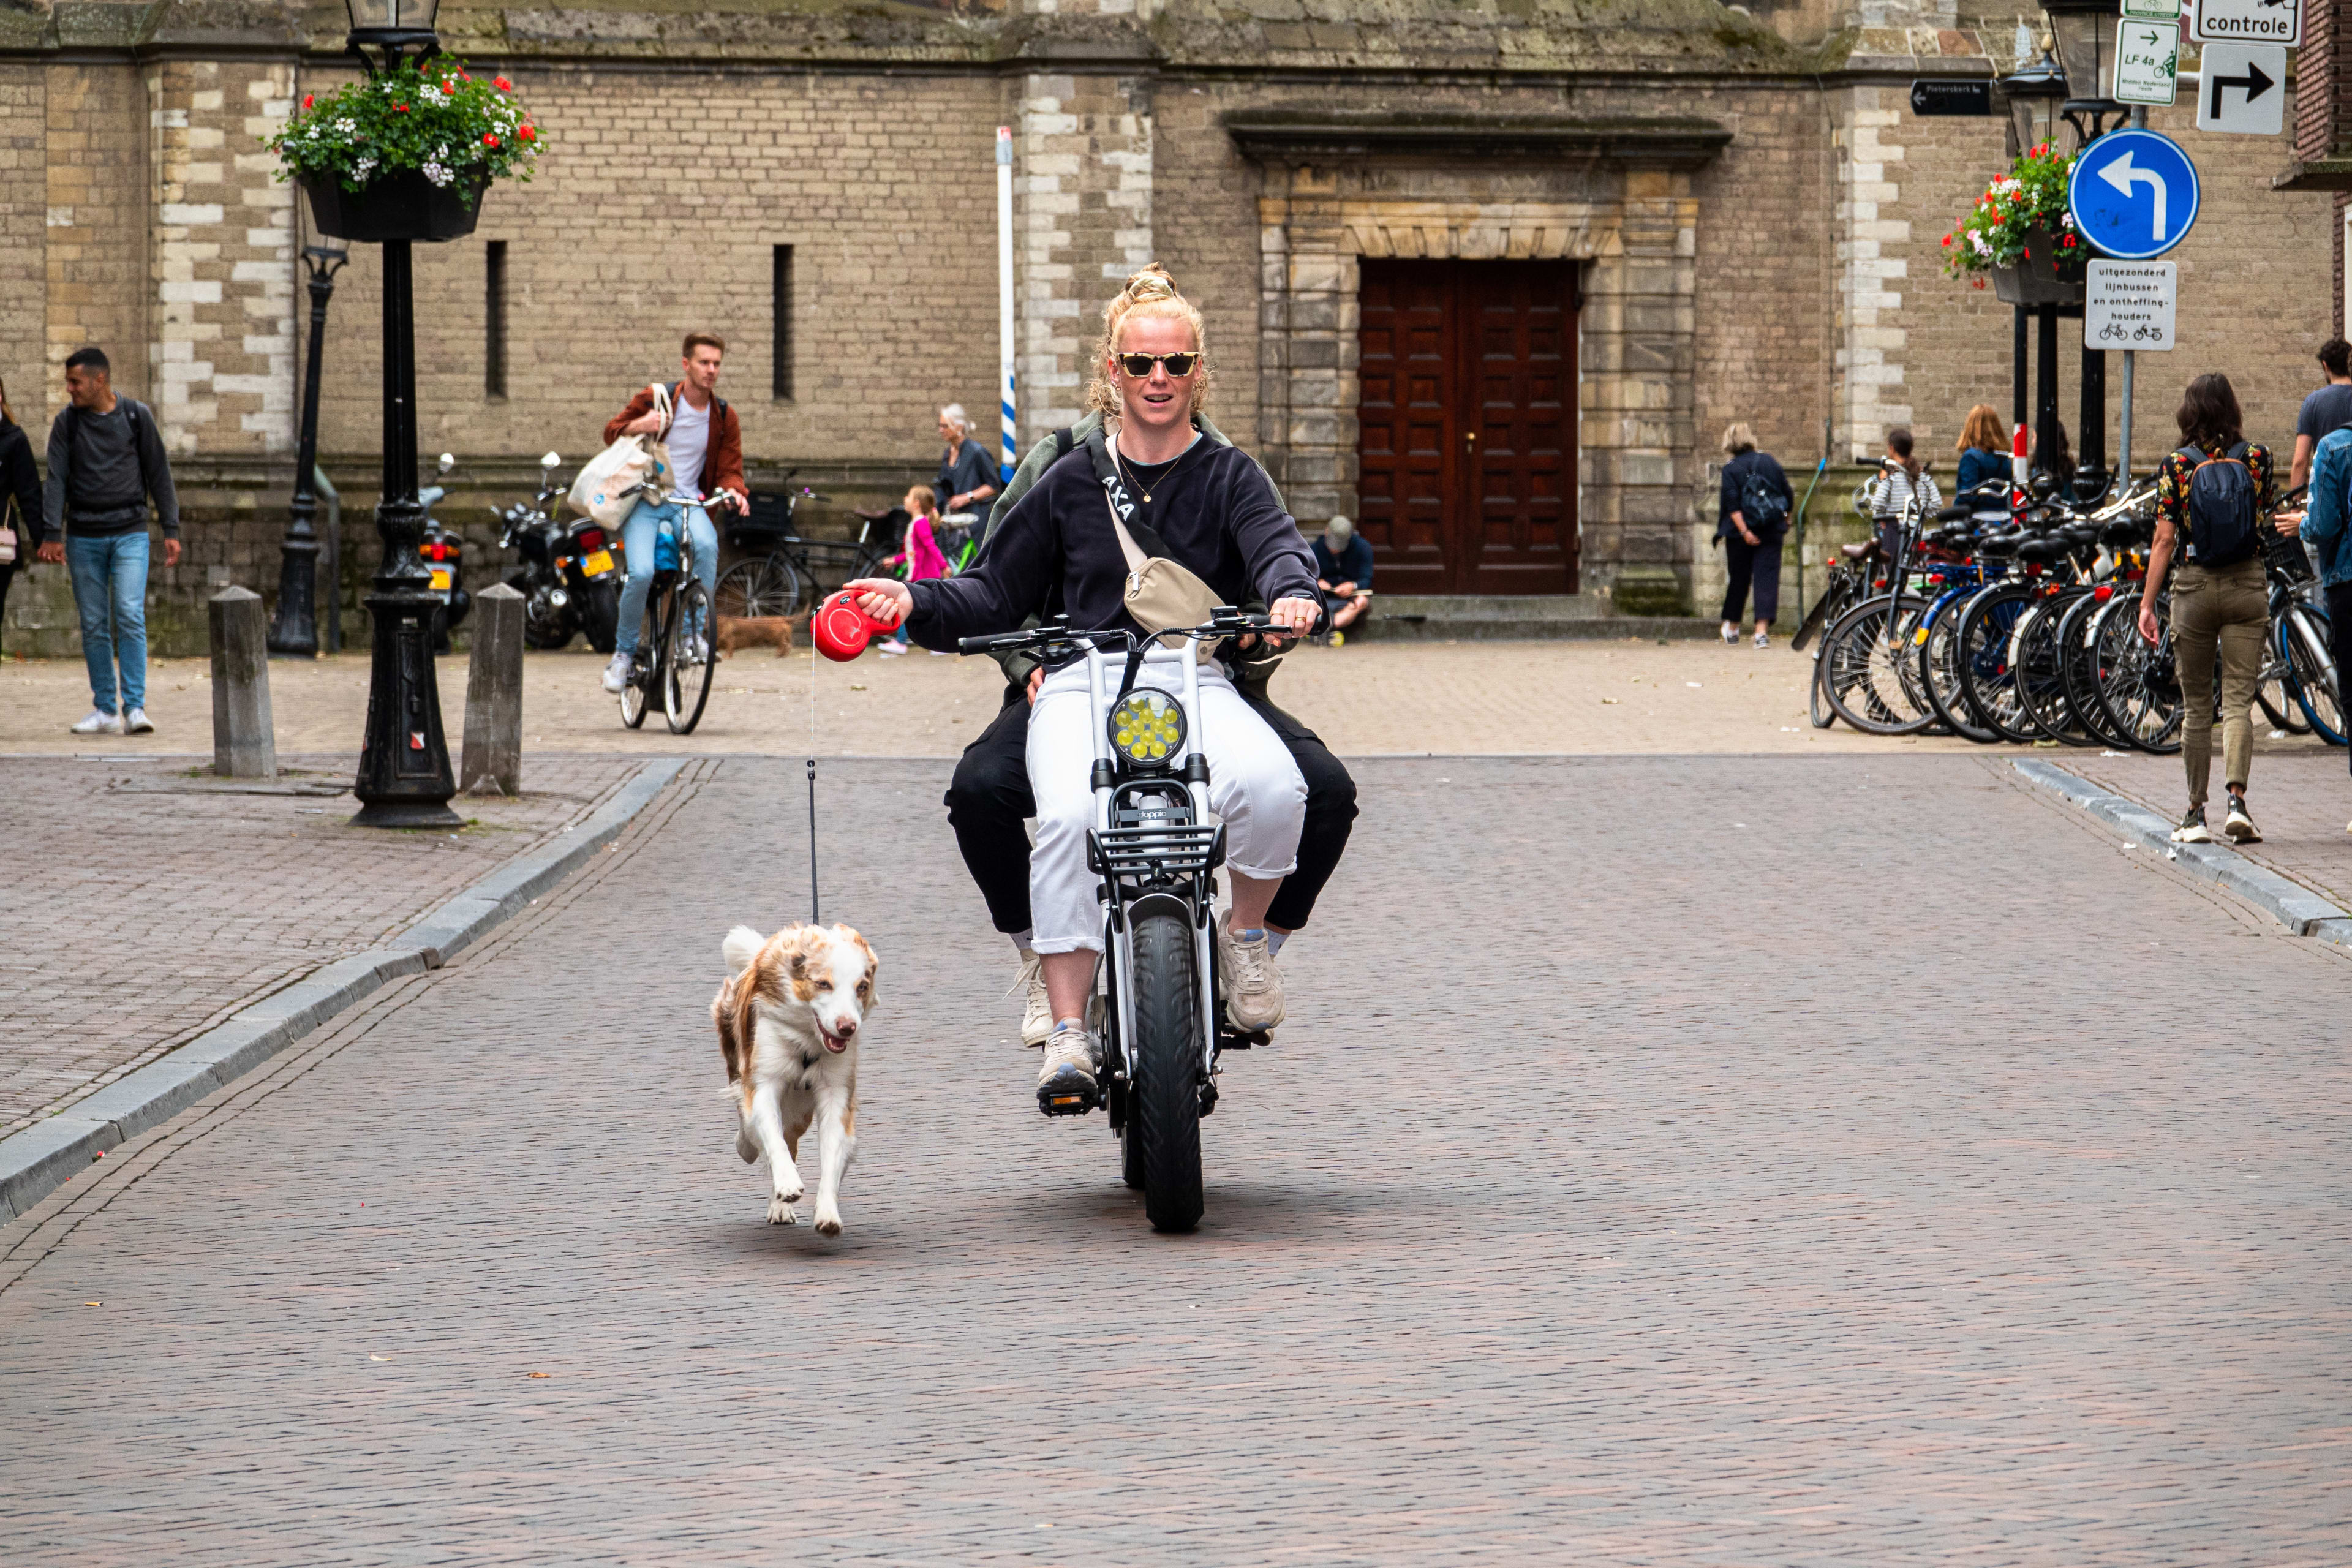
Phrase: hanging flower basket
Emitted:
{"points": [[406, 154], [405, 206], [2035, 279]]}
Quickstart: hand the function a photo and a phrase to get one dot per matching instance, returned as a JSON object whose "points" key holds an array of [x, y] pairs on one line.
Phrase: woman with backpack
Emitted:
{"points": [[1751, 515], [2209, 496]]}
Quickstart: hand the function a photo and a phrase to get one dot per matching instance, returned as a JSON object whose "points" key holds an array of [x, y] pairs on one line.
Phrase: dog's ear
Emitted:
{"points": [[741, 946], [873, 965]]}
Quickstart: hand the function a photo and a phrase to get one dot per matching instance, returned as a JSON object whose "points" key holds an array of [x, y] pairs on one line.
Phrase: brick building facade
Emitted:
{"points": [[1743, 212]]}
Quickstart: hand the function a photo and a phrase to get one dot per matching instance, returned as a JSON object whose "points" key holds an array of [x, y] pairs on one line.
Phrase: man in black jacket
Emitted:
{"points": [[106, 459]]}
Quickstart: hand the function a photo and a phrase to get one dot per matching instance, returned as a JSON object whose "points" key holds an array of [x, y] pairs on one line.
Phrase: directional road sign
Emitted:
{"points": [[2128, 305], [2243, 90], [2276, 22], [2134, 193], [2147, 61]]}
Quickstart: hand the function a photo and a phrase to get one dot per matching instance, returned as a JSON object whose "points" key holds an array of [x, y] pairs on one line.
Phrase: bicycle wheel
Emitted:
{"points": [[1828, 607], [2078, 670], [687, 667], [1870, 671], [2304, 638], [1939, 669], [2138, 687], [762, 586], [2275, 695], [653, 643], [2039, 658], [1988, 680], [1817, 696]]}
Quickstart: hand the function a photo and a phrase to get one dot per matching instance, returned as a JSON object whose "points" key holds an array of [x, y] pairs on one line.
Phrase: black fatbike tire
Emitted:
{"points": [[1163, 1097]]}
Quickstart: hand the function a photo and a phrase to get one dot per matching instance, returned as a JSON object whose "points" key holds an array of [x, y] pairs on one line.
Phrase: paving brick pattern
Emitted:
{"points": [[1829, 1193], [2300, 793], [144, 907]]}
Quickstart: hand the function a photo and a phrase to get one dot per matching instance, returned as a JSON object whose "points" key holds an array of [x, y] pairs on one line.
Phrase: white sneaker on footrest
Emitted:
{"points": [[1036, 1012]]}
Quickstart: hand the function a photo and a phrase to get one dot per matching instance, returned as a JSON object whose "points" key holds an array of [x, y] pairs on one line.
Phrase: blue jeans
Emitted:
{"points": [[109, 589], [637, 537]]}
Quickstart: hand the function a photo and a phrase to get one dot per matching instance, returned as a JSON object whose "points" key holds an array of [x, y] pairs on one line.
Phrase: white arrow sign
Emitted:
{"points": [[2123, 177]]}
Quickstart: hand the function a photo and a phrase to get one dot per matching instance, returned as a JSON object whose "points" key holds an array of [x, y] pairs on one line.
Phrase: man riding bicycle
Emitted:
{"points": [[704, 440], [1055, 551]]}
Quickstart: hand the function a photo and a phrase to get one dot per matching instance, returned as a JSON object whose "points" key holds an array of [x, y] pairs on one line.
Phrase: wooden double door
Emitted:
{"points": [[1466, 426]]}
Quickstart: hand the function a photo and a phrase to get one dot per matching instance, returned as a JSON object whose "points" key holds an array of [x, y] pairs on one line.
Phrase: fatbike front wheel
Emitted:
{"points": [[1163, 1104]]}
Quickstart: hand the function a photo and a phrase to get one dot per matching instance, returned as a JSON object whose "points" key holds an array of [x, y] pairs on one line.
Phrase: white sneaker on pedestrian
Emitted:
{"points": [[1037, 1013], [617, 673], [891, 647], [1731, 635], [1762, 640], [2239, 824], [1252, 986], [1066, 1083], [98, 723], [136, 722]]}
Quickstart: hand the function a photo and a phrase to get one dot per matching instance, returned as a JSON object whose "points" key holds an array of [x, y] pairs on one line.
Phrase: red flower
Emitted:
{"points": [[400, 109], [309, 99], [1978, 283], [1948, 239], [489, 140], [527, 134], [502, 84], [2066, 242], [2027, 254]]}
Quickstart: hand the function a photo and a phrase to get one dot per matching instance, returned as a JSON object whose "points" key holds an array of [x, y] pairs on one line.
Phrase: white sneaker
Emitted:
{"points": [[1037, 1013], [1252, 984], [891, 647], [1731, 635], [136, 722], [1762, 640], [98, 723], [617, 673], [1066, 1083]]}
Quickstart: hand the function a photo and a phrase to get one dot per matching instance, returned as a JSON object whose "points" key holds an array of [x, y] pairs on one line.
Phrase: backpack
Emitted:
{"points": [[2220, 506], [1762, 504]]}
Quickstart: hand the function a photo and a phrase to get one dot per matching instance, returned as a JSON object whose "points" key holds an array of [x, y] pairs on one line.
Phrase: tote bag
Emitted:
{"points": [[602, 489]]}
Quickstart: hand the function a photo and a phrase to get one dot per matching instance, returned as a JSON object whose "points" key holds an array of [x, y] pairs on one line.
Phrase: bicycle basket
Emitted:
{"points": [[2286, 554]]}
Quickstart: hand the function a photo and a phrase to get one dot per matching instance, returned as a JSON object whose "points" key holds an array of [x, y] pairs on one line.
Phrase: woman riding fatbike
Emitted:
{"points": [[1056, 552]]}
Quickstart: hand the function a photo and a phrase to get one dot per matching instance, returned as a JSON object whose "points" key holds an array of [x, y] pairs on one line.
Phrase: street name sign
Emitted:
{"points": [[2130, 305], [2147, 61], [2242, 88], [2276, 22], [1954, 95], [2134, 193]]}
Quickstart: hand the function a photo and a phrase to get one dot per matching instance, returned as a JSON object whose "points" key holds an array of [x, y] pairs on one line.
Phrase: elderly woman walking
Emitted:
{"points": [[967, 479], [1751, 515]]}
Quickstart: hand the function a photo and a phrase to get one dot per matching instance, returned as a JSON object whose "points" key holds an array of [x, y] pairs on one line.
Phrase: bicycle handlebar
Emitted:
{"points": [[1225, 622]]}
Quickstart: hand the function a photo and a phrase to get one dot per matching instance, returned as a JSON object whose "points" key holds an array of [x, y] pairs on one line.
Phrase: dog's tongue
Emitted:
{"points": [[831, 1044]]}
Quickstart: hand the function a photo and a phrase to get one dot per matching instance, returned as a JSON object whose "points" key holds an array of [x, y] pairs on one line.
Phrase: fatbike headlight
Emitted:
{"points": [[1148, 730]]}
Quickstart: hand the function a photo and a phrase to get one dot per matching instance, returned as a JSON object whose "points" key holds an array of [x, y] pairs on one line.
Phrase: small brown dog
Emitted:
{"points": [[754, 631]]}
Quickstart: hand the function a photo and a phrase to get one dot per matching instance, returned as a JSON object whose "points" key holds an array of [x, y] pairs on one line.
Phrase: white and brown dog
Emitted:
{"points": [[788, 1020]]}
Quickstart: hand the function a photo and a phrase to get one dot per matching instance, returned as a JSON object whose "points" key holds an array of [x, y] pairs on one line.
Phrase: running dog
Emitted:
{"points": [[788, 1018], [755, 631]]}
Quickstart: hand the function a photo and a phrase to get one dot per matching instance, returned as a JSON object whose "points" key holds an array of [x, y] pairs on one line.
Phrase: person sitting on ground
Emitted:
{"points": [[989, 797], [2324, 412], [1752, 510], [1983, 462], [921, 555], [1215, 514], [1343, 574], [705, 443], [2210, 495]]}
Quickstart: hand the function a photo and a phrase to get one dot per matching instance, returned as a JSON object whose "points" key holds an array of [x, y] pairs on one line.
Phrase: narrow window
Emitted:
{"points": [[494, 321], [784, 319]]}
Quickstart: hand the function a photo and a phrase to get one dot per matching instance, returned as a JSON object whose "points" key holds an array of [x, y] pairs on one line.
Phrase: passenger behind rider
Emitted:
{"points": [[1217, 514], [705, 442]]}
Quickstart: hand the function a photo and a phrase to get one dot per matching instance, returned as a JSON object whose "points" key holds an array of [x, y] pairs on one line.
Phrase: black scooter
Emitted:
{"points": [[443, 553], [568, 575]]}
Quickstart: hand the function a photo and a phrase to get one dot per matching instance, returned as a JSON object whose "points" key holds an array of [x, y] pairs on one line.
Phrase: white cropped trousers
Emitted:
{"points": [[1254, 788]]}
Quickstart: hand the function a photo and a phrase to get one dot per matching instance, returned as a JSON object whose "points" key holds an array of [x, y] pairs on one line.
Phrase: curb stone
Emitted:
{"points": [[2292, 904], [36, 1160]]}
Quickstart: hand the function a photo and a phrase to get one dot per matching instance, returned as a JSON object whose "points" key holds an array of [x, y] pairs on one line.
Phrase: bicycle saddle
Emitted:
{"points": [[1867, 548], [2044, 550], [840, 630]]}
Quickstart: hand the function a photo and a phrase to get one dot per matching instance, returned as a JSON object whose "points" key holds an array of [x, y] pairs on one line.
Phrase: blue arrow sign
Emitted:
{"points": [[2134, 193]]}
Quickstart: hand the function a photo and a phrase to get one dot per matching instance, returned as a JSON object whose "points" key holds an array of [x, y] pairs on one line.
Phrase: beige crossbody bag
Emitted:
{"points": [[1161, 593]]}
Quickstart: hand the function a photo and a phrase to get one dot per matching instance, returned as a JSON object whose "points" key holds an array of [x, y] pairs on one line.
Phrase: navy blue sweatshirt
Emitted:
{"points": [[1055, 551]]}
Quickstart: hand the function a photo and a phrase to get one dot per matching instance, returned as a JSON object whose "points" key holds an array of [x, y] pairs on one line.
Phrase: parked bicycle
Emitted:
{"points": [[781, 573]]}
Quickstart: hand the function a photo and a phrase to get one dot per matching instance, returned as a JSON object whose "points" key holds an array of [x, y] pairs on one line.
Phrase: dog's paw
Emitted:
{"points": [[780, 1212], [828, 1222], [791, 1195]]}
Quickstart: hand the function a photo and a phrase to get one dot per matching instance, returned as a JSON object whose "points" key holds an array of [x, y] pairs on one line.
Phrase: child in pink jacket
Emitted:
{"points": [[921, 555]]}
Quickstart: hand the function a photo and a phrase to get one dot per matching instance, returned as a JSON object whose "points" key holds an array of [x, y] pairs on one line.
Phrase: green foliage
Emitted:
{"points": [[428, 115], [2032, 195]]}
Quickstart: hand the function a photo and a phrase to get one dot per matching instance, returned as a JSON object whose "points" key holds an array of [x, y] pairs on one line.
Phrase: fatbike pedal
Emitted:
{"points": [[1068, 1094]]}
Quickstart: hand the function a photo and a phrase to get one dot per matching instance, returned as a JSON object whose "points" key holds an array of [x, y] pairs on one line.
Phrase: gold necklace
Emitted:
{"points": [[1120, 459]]}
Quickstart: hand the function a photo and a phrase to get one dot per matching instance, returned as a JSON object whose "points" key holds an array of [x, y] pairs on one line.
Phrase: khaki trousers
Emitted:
{"points": [[2228, 608]]}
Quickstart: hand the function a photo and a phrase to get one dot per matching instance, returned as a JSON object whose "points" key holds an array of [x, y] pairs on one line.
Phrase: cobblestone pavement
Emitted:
{"points": [[1916, 1180], [2300, 796], [145, 903]]}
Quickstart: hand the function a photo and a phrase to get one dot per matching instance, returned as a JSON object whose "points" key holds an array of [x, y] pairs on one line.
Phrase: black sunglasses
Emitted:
{"points": [[1139, 366]]}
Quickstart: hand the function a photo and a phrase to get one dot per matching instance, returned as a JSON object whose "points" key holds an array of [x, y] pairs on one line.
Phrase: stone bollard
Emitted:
{"points": [[493, 759], [245, 743]]}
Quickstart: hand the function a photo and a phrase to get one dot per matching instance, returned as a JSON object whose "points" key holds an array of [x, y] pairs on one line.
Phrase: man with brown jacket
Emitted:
{"points": [[706, 448]]}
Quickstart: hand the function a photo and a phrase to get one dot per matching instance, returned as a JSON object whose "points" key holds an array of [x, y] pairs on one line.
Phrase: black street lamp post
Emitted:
{"points": [[404, 778], [294, 628]]}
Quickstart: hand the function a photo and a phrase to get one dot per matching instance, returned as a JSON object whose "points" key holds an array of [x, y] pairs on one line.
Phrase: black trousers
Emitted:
{"points": [[1757, 563], [2339, 631], [989, 798]]}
